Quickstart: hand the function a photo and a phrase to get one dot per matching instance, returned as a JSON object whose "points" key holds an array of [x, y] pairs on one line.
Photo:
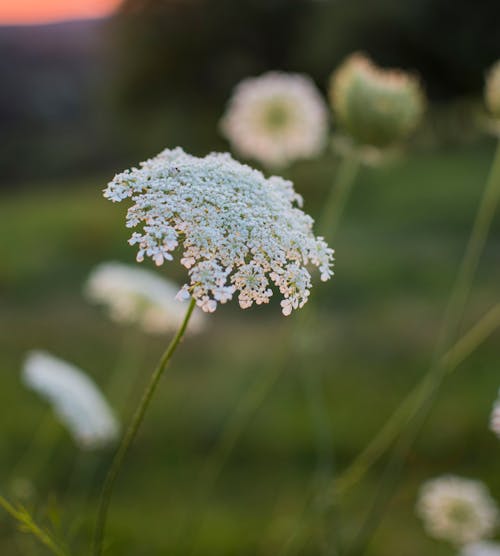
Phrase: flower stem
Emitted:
{"points": [[331, 215], [438, 370], [131, 433], [406, 409], [28, 525]]}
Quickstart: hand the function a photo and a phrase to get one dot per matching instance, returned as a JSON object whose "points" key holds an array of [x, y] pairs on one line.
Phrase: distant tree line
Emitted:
{"points": [[203, 47], [88, 97]]}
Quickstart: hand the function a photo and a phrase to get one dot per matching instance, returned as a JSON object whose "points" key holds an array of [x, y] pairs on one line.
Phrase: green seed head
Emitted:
{"points": [[375, 106]]}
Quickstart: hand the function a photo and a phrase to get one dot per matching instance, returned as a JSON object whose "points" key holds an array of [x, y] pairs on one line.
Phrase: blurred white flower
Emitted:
{"points": [[74, 397], [495, 417], [138, 296], [238, 230], [481, 549], [276, 118], [458, 510]]}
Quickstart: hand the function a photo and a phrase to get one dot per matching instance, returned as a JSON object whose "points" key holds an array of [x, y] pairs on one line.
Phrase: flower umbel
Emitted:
{"points": [[276, 118], [138, 296], [375, 106], [75, 398], [238, 231], [458, 510]]}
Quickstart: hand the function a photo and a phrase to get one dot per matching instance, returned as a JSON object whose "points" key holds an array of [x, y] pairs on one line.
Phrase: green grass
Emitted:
{"points": [[397, 252]]}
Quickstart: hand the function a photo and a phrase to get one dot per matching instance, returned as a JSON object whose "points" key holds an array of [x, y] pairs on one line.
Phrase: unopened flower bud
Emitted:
{"points": [[375, 106]]}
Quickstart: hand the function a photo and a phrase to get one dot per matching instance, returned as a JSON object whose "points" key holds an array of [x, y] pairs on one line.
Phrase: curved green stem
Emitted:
{"points": [[475, 246], [438, 371], [478, 334], [406, 410], [131, 433], [28, 525]]}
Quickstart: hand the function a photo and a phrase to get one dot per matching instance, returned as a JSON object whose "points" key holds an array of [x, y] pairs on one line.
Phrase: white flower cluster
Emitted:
{"points": [[276, 118], [75, 398], [238, 231], [135, 295], [481, 549], [495, 417], [458, 510]]}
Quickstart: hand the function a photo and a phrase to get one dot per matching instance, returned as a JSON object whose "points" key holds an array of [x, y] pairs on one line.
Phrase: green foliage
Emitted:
{"points": [[397, 250]]}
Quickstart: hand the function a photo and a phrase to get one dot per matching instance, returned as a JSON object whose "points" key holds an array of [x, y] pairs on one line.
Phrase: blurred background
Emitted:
{"points": [[90, 88]]}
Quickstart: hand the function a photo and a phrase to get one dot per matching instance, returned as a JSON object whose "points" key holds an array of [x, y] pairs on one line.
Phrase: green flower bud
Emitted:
{"points": [[376, 107], [492, 90]]}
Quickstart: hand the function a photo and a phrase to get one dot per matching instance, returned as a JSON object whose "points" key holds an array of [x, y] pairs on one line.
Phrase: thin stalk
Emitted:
{"points": [[123, 382], [336, 202], [123, 377], [475, 247], [131, 433], [406, 410], [28, 525], [437, 372], [478, 334]]}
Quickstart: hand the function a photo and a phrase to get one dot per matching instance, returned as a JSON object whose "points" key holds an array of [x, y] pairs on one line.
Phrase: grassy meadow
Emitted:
{"points": [[397, 251]]}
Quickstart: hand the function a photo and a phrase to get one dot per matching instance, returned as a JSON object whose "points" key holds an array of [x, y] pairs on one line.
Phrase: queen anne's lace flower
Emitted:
{"points": [[457, 510], [481, 549], [276, 118], [238, 231], [138, 296], [75, 398]]}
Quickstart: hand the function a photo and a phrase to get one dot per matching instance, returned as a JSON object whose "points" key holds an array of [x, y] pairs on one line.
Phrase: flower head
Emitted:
{"points": [[457, 510], [276, 118], [375, 106], [75, 398], [138, 296], [481, 549], [237, 230], [492, 90]]}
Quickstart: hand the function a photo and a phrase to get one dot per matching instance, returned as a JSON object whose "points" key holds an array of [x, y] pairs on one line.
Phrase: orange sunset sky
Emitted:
{"points": [[46, 11]]}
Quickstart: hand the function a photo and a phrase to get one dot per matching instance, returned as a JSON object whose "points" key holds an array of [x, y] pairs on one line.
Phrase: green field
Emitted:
{"points": [[397, 252]]}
